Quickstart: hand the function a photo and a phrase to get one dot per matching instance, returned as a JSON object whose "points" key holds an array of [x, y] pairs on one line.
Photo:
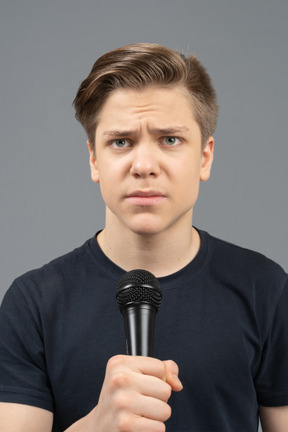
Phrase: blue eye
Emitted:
{"points": [[171, 140], [120, 143]]}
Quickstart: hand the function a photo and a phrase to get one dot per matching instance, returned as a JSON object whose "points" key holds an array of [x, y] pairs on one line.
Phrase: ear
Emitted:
{"points": [[207, 159], [93, 164]]}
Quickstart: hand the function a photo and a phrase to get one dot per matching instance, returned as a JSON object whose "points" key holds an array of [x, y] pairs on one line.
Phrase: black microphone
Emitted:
{"points": [[139, 297]]}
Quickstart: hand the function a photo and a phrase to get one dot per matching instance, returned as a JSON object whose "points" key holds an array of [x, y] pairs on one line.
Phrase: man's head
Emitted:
{"points": [[143, 65]]}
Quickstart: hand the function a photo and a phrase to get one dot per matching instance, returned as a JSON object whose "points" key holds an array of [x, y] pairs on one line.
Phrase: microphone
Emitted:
{"points": [[139, 298]]}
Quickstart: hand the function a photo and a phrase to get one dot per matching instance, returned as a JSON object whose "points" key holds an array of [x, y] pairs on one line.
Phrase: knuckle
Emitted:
{"points": [[118, 380], [122, 401], [114, 362], [124, 423]]}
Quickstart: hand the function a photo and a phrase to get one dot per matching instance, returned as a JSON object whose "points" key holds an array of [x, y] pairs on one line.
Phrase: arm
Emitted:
{"points": [[22, 418], [274, 419]]}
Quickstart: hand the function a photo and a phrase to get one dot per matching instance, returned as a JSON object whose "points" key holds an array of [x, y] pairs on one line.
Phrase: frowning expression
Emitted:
{"points": [[148, 159]]}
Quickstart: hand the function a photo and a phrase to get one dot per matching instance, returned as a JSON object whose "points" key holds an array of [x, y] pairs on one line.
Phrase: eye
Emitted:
{"points": [[171, 141], [120, 143]]}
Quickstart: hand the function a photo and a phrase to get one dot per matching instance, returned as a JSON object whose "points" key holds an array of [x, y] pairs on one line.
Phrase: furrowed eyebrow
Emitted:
{"points": [[118, 133], [162, 131], [170, 131]]}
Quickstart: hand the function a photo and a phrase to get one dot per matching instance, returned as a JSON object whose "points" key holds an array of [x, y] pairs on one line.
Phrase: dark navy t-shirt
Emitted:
{"points": [[223, 319]]}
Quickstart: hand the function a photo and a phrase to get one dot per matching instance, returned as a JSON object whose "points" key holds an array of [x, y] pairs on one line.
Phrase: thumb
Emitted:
{"points": [[172, 371]]}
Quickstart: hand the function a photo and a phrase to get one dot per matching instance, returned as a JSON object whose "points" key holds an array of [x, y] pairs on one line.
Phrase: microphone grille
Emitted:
{"points": [[138, 286]]}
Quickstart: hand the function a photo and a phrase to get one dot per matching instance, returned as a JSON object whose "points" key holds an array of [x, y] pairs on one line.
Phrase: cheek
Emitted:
{"points": [[109, 187], [187, 172], [191, 192], [106, 172], [105, 183], [188, 184]]}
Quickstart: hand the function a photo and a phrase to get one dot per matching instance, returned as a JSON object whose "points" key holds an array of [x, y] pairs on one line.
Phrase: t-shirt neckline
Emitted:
{"points": [[188, 272]]}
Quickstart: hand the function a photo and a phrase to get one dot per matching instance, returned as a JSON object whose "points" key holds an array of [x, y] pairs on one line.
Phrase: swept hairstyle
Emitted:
{"points": [[137, 66]]}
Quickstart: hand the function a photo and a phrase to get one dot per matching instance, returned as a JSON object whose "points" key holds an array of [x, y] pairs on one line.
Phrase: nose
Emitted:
{"points": [[145, 161]]}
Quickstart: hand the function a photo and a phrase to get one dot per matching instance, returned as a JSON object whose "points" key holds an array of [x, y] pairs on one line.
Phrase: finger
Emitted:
{"points": [[120, 376], [171, 372], [149, 425], [149, 407], [150, 366], [141, 424], [144, 365], [152, 386]]}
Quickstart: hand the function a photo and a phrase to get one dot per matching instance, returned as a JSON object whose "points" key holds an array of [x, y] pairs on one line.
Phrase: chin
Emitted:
{"points": [[144, 231], [146, 227]]}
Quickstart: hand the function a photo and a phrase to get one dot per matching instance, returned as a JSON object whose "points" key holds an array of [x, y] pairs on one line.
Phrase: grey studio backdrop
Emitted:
{"points": [[49, 204]]}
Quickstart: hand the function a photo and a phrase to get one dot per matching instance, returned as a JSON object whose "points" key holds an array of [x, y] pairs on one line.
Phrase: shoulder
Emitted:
{"points": [[52, 276], [247, 262], [258, 283], [247, 272]]}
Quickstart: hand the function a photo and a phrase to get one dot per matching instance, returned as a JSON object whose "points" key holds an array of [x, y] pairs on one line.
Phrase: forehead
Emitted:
{"points": [[147, 104]]}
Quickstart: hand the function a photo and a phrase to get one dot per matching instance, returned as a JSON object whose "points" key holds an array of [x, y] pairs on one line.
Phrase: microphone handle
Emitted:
{"points": [[139, 320]]}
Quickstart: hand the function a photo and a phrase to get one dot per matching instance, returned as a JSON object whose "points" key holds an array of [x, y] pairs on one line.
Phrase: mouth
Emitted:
{"points": [[146, 198]]}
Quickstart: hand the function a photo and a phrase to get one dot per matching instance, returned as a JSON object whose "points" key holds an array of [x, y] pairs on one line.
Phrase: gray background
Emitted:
{"points": [[48, 203]]}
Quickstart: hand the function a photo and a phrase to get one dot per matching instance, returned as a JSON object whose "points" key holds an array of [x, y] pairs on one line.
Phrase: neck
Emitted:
{"points": [[161, 254]]}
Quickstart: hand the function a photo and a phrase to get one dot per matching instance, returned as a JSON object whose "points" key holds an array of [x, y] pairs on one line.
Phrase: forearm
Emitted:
{"points": [[274, 419], [85, 424], [21, 418]]}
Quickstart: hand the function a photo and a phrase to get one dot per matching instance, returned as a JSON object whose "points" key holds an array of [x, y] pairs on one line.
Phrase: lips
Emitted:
{"points": [[149, 198]]}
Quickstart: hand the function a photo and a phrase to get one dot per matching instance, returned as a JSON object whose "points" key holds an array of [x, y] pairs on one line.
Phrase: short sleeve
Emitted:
{"points": [[272, 377], [23, 372]]}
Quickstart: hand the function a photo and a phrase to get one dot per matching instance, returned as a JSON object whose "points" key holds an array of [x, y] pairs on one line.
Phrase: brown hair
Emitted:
{"points": [[140, 65]]}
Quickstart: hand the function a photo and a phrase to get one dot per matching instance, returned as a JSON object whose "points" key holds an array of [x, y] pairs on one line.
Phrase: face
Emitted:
{"points": [[148, 159]]}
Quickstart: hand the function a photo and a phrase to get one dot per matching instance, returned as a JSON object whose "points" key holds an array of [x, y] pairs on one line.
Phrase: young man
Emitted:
{"points": [[150, 114]]}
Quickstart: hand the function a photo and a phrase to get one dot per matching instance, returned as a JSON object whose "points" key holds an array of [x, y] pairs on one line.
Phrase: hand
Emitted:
{"points": [[134, 395]]}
